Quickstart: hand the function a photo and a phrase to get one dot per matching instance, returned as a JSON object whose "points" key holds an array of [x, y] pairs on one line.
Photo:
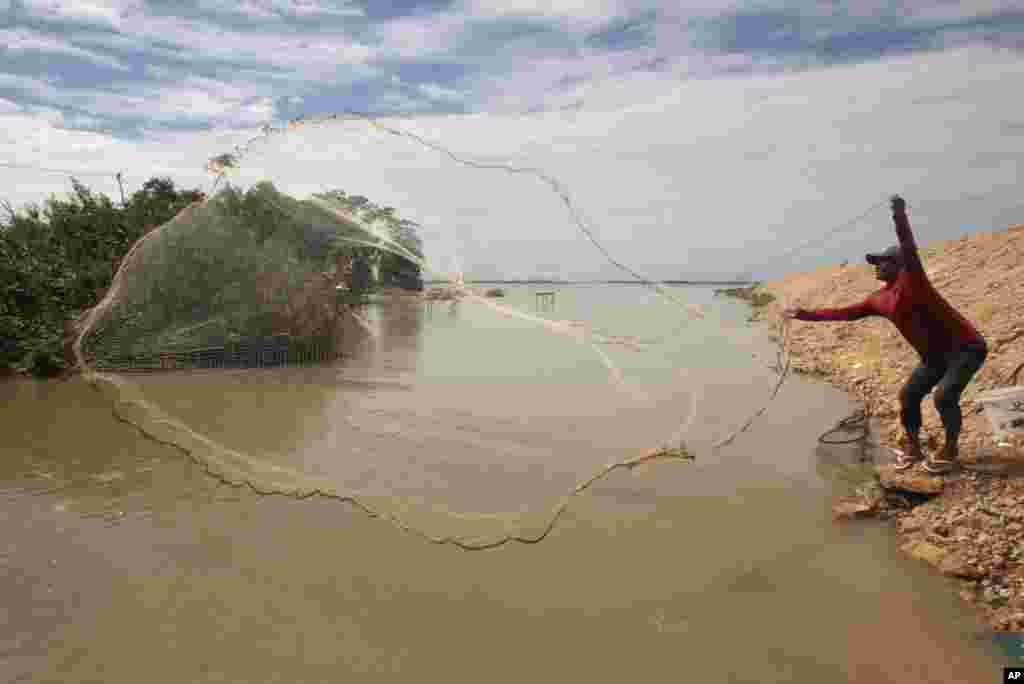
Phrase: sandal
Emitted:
{"points": [[903, 461], [940, 466]]}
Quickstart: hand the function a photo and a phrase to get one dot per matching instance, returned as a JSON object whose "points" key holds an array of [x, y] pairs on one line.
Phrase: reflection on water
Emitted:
{"points": [[123, 562]]}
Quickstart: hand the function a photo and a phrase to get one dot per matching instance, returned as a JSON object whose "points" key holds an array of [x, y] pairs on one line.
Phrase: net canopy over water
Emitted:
{"points": [[243, 265], [306, 377]]}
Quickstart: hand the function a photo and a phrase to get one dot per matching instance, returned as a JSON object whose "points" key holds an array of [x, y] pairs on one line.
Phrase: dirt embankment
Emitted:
{"points": [[974, 529]]}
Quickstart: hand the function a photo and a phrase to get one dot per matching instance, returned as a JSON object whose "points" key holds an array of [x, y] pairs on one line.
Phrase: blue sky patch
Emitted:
{"points": [[842, 38]]}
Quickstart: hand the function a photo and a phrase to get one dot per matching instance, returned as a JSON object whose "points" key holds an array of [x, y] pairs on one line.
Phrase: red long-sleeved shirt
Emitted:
{"points": [[926, 320]]}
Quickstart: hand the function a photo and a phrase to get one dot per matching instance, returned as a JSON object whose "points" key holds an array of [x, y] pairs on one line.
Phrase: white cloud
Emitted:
{"points": [[312, 8], [329, 55], [195, 100], [36, 87], [27, 40], [261, 109], [264, 9], [100, 12], [7, 107], [53, 117], [421, 36], [190, 103], [932, 11], [582, 12], [559, 81], [438, 92], [246, 8], [85, 121], [399, 102]]}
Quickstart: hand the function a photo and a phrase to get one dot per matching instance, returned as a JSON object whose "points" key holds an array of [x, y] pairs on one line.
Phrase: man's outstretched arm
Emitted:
{"points": [[911, 258], [846, 313]]}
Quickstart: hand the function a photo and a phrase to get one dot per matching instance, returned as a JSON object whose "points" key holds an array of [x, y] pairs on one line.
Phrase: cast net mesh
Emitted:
{"points": [[467, 417]]}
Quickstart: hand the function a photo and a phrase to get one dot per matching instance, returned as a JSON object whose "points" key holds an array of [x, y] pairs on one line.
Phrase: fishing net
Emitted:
{"points": [[313, 328]]}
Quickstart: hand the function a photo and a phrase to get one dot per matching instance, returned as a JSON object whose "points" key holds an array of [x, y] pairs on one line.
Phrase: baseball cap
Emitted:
{"points": [[893, 253]]}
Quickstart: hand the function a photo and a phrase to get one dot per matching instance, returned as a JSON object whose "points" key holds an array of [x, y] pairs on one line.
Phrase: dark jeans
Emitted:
{"points": [[949, 375]]}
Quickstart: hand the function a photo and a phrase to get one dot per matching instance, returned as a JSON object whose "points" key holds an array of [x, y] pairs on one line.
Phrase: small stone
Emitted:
{"points": [[911, 523], [956, 565], [926, 551], [850, 509], [975, 522]]}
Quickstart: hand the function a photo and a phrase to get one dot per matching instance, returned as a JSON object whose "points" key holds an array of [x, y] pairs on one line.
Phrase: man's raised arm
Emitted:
{"points": [[911, 258]]}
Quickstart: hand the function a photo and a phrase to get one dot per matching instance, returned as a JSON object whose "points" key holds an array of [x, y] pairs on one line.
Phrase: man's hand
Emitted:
{"points": [[898, 205], [792, 312]]}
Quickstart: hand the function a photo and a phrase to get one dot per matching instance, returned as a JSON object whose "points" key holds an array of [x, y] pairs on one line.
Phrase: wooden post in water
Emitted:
{"points": [[545, 298]]}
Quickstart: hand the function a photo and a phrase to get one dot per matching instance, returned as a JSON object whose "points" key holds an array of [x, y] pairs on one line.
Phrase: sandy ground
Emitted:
{"points": [[975, 528]]}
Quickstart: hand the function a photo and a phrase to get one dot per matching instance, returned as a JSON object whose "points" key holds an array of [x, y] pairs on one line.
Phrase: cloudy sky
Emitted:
{"points": [[699, 138]]}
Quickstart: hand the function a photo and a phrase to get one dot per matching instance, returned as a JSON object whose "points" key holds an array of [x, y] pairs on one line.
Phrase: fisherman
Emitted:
{"points": [[951, 349]]}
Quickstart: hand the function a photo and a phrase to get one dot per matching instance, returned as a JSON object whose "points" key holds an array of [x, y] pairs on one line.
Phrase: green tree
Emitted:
{"points": [[58, 260]]}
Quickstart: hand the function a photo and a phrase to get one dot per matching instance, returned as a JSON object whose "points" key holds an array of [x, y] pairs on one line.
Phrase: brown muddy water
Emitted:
{"points": [[123, 560]]}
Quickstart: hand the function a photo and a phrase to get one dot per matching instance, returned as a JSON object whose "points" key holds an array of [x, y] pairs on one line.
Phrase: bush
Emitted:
{"points": [[58, 260]]}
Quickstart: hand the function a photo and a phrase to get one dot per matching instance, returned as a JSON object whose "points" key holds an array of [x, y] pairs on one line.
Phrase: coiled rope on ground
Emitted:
{"points": [[856, 422]]}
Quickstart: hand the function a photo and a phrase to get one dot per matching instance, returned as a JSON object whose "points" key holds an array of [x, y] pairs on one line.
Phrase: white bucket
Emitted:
{"points": [[1005, 410]]}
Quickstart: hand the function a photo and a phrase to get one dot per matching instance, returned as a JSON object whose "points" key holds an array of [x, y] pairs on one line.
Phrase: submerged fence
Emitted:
{"points": [[257, 352]]}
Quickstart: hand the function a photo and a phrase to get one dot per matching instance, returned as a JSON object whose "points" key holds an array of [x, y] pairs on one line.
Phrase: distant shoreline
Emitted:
{"points": [[592, 282]]}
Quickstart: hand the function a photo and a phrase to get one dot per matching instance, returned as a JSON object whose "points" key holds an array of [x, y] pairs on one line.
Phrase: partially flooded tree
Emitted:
{"points": [[58, 259]]}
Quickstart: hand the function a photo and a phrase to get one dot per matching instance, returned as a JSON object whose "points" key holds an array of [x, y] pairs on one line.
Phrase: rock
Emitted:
{"points": [[926, 551], [996, 455], [911, 523], [848, 509], [975, 522], [908, 480], [952, 519], [956, 565]]}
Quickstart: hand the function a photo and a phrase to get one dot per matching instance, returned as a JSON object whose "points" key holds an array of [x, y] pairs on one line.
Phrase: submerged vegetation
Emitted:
{"points": [[244, 264], [754, 294]]}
